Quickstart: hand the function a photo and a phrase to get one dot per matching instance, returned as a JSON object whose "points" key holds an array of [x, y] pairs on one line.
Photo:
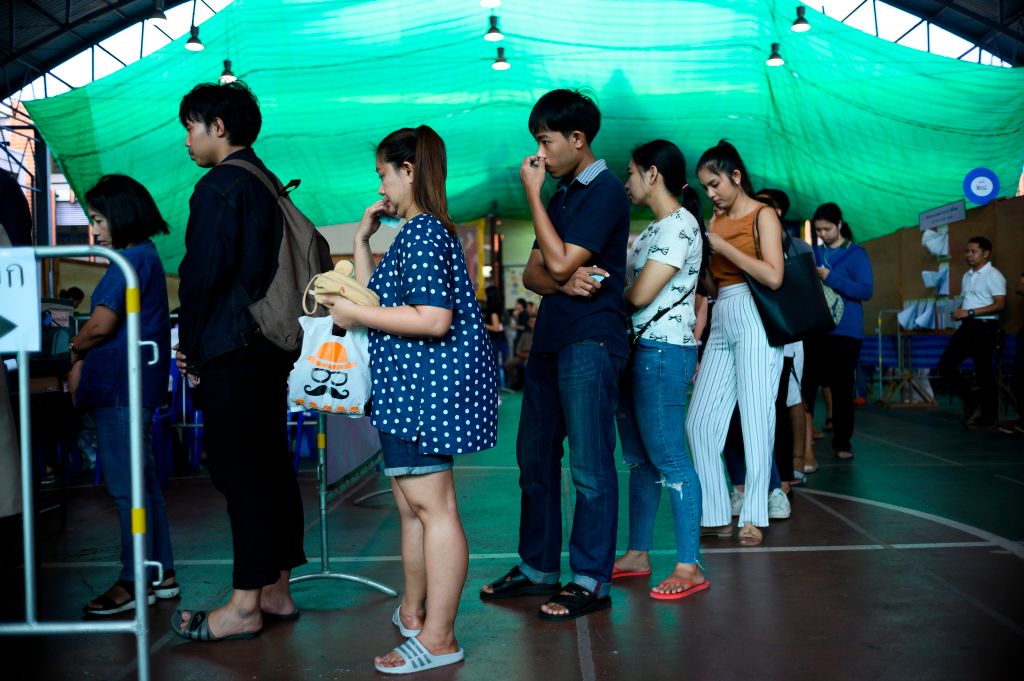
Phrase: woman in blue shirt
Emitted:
{"points": [[844, 266], [434, 387], [124, 216]]}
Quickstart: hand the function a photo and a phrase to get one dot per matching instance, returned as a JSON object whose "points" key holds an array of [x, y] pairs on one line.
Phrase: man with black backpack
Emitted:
{"points": [[232, 243]]}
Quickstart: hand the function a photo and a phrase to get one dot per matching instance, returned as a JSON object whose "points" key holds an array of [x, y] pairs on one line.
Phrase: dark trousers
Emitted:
{"points": [[834, 364], [976, 339], [1018, 374], [243, 395]]}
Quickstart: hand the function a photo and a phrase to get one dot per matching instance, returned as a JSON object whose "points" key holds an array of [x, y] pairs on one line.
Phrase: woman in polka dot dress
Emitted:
{"points": [[434, 384]]}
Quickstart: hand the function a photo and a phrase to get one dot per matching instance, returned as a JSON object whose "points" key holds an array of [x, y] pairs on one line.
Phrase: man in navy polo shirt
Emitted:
{"points": [[579, 348]]}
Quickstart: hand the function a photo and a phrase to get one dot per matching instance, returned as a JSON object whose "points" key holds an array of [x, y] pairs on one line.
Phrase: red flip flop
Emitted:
{"points": [[693, 588], [620, 574]]}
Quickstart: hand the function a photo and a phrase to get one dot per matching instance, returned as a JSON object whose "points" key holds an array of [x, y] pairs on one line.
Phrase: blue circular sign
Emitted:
{"points": [[981, 186]]}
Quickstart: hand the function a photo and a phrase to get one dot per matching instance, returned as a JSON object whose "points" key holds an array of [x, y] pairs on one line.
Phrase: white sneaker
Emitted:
{"points": [[736, 500], [778, 505]]}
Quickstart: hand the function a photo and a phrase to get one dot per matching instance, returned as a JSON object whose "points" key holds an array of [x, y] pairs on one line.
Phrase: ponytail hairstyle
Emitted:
{"points": [[671, 165], [423, 149], [830, 212], [723, 159]]}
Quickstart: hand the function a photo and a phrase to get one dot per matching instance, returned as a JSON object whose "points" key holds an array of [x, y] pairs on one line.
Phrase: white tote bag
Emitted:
{"points": [[332, 374]]}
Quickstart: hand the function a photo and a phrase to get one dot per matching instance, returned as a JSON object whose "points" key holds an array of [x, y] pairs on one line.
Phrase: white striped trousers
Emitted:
{"points": [[738, 364]]}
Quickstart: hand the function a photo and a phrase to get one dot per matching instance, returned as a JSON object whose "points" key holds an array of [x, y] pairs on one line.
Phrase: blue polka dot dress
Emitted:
{"points": [[439, 392]]}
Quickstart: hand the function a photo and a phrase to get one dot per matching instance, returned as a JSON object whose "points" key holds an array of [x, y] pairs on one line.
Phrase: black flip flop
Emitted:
{"points": [[514, 584], [578, 601]]}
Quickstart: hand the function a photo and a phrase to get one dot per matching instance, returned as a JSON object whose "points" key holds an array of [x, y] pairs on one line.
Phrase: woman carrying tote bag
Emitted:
{"points": [[738, 363]]}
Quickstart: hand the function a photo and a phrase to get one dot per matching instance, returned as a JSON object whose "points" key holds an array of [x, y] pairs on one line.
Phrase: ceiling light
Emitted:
{"points": [[490, 4], [194, 44], [775, 59], [800, 25], [493, 34], [158, 11], [500, 64], [227, 75]]}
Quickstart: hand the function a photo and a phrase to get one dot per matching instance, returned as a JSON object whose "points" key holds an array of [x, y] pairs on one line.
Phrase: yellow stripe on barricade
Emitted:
{"points": [[321, 440], [138, 521], [132, 304]]}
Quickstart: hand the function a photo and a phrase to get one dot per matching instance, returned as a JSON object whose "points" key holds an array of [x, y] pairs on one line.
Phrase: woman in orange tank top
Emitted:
{"points": [[738, 363]]}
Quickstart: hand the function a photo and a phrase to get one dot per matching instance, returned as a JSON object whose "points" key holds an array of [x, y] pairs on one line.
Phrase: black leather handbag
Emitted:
{"points": [[798, 308]]}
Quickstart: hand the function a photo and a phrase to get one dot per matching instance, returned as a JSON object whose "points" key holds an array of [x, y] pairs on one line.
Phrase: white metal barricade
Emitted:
{"points": [[137, 626]]}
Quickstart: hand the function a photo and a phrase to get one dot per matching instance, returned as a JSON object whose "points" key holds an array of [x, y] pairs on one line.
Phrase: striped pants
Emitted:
{"points": [[738, 364]]}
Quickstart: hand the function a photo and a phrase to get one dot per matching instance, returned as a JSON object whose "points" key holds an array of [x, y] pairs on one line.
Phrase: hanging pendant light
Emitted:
{"points": [[227, 75], [800, 25], [194, 44], [775, 59], [493, 35], [158, 11], [500, 63]]}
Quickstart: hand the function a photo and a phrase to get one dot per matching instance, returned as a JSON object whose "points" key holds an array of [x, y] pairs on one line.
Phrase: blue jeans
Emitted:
{"points": [[569, 393], [652, 429], [113, 453], [402, 457]]}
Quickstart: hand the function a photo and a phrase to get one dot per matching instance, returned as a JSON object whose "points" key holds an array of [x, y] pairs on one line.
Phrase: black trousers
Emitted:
{"points": [[243, 396], [834, 365], [976, 338]]}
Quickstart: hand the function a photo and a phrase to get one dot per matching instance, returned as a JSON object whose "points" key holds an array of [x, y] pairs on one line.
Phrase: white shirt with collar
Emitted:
{"points": [[980, 286]]}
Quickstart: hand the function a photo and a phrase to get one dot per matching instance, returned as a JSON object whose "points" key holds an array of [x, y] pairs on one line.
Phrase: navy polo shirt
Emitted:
{"points": [[590, 211]]}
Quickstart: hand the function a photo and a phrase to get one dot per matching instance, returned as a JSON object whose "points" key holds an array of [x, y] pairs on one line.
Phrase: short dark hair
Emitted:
{"points": [[778, 198], [234, 103], [129, 208], [983, 243], [566, 111], [73, 293]]}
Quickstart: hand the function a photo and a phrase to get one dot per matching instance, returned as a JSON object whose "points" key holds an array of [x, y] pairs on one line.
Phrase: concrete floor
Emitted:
{"points": [[905, 564]]}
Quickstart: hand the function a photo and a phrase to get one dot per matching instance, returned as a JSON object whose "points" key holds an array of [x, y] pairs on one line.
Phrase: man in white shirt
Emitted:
{"points": [[984, 295]]}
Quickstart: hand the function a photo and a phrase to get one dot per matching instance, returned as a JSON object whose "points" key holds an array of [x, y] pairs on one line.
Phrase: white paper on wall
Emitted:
{"points": [[936, 241]]}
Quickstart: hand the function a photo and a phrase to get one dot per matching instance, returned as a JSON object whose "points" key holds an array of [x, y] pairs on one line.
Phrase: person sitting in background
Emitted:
{"points": [[124, 216], [74, 294], [514, 366]]}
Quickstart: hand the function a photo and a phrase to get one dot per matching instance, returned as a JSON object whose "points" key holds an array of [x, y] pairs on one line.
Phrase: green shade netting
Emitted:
{"points": [[883, 130]]}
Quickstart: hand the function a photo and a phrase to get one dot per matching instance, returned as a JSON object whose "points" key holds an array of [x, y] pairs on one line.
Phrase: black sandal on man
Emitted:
{"points": [[577, 601], [514, 584]]}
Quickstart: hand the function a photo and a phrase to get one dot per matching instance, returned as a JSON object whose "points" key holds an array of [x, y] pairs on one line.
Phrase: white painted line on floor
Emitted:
{"points": [[910, 449], [1003, 477], [923, 568], [584, 649], [1013, 547], [565, 555]]}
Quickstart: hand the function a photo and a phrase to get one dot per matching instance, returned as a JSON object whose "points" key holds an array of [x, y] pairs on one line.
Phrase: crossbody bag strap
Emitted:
{"points": [[661, 313]]}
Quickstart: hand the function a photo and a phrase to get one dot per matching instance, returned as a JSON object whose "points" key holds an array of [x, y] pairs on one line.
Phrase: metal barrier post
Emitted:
{"points": [[325, 558], [138, 626]]}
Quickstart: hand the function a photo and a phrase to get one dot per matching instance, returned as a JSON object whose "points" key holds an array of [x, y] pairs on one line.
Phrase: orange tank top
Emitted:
{"points": [[740, 233]]}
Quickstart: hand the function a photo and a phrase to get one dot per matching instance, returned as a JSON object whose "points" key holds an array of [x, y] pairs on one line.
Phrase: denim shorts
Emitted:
{"points": [[402, 457]]}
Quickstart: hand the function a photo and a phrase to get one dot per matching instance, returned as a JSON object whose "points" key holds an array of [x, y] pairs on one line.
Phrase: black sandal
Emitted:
{"points": [[106, 605], [578, 601], [513, 584]]}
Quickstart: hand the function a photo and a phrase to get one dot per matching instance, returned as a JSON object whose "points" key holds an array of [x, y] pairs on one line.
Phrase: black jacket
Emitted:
{"points": [[231, 250]]}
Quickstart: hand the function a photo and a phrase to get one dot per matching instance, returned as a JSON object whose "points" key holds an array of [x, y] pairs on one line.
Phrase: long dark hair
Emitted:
{"points": [[723, 159], [671, 164], [424, 150], [830, 212], [129, 208]]}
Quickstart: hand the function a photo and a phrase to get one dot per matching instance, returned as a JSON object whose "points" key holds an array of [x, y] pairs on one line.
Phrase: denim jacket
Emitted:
{"points": [[231, 251]]}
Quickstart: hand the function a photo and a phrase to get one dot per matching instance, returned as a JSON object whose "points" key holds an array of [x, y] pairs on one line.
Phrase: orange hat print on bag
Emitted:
{"points": [[331, 356]]}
